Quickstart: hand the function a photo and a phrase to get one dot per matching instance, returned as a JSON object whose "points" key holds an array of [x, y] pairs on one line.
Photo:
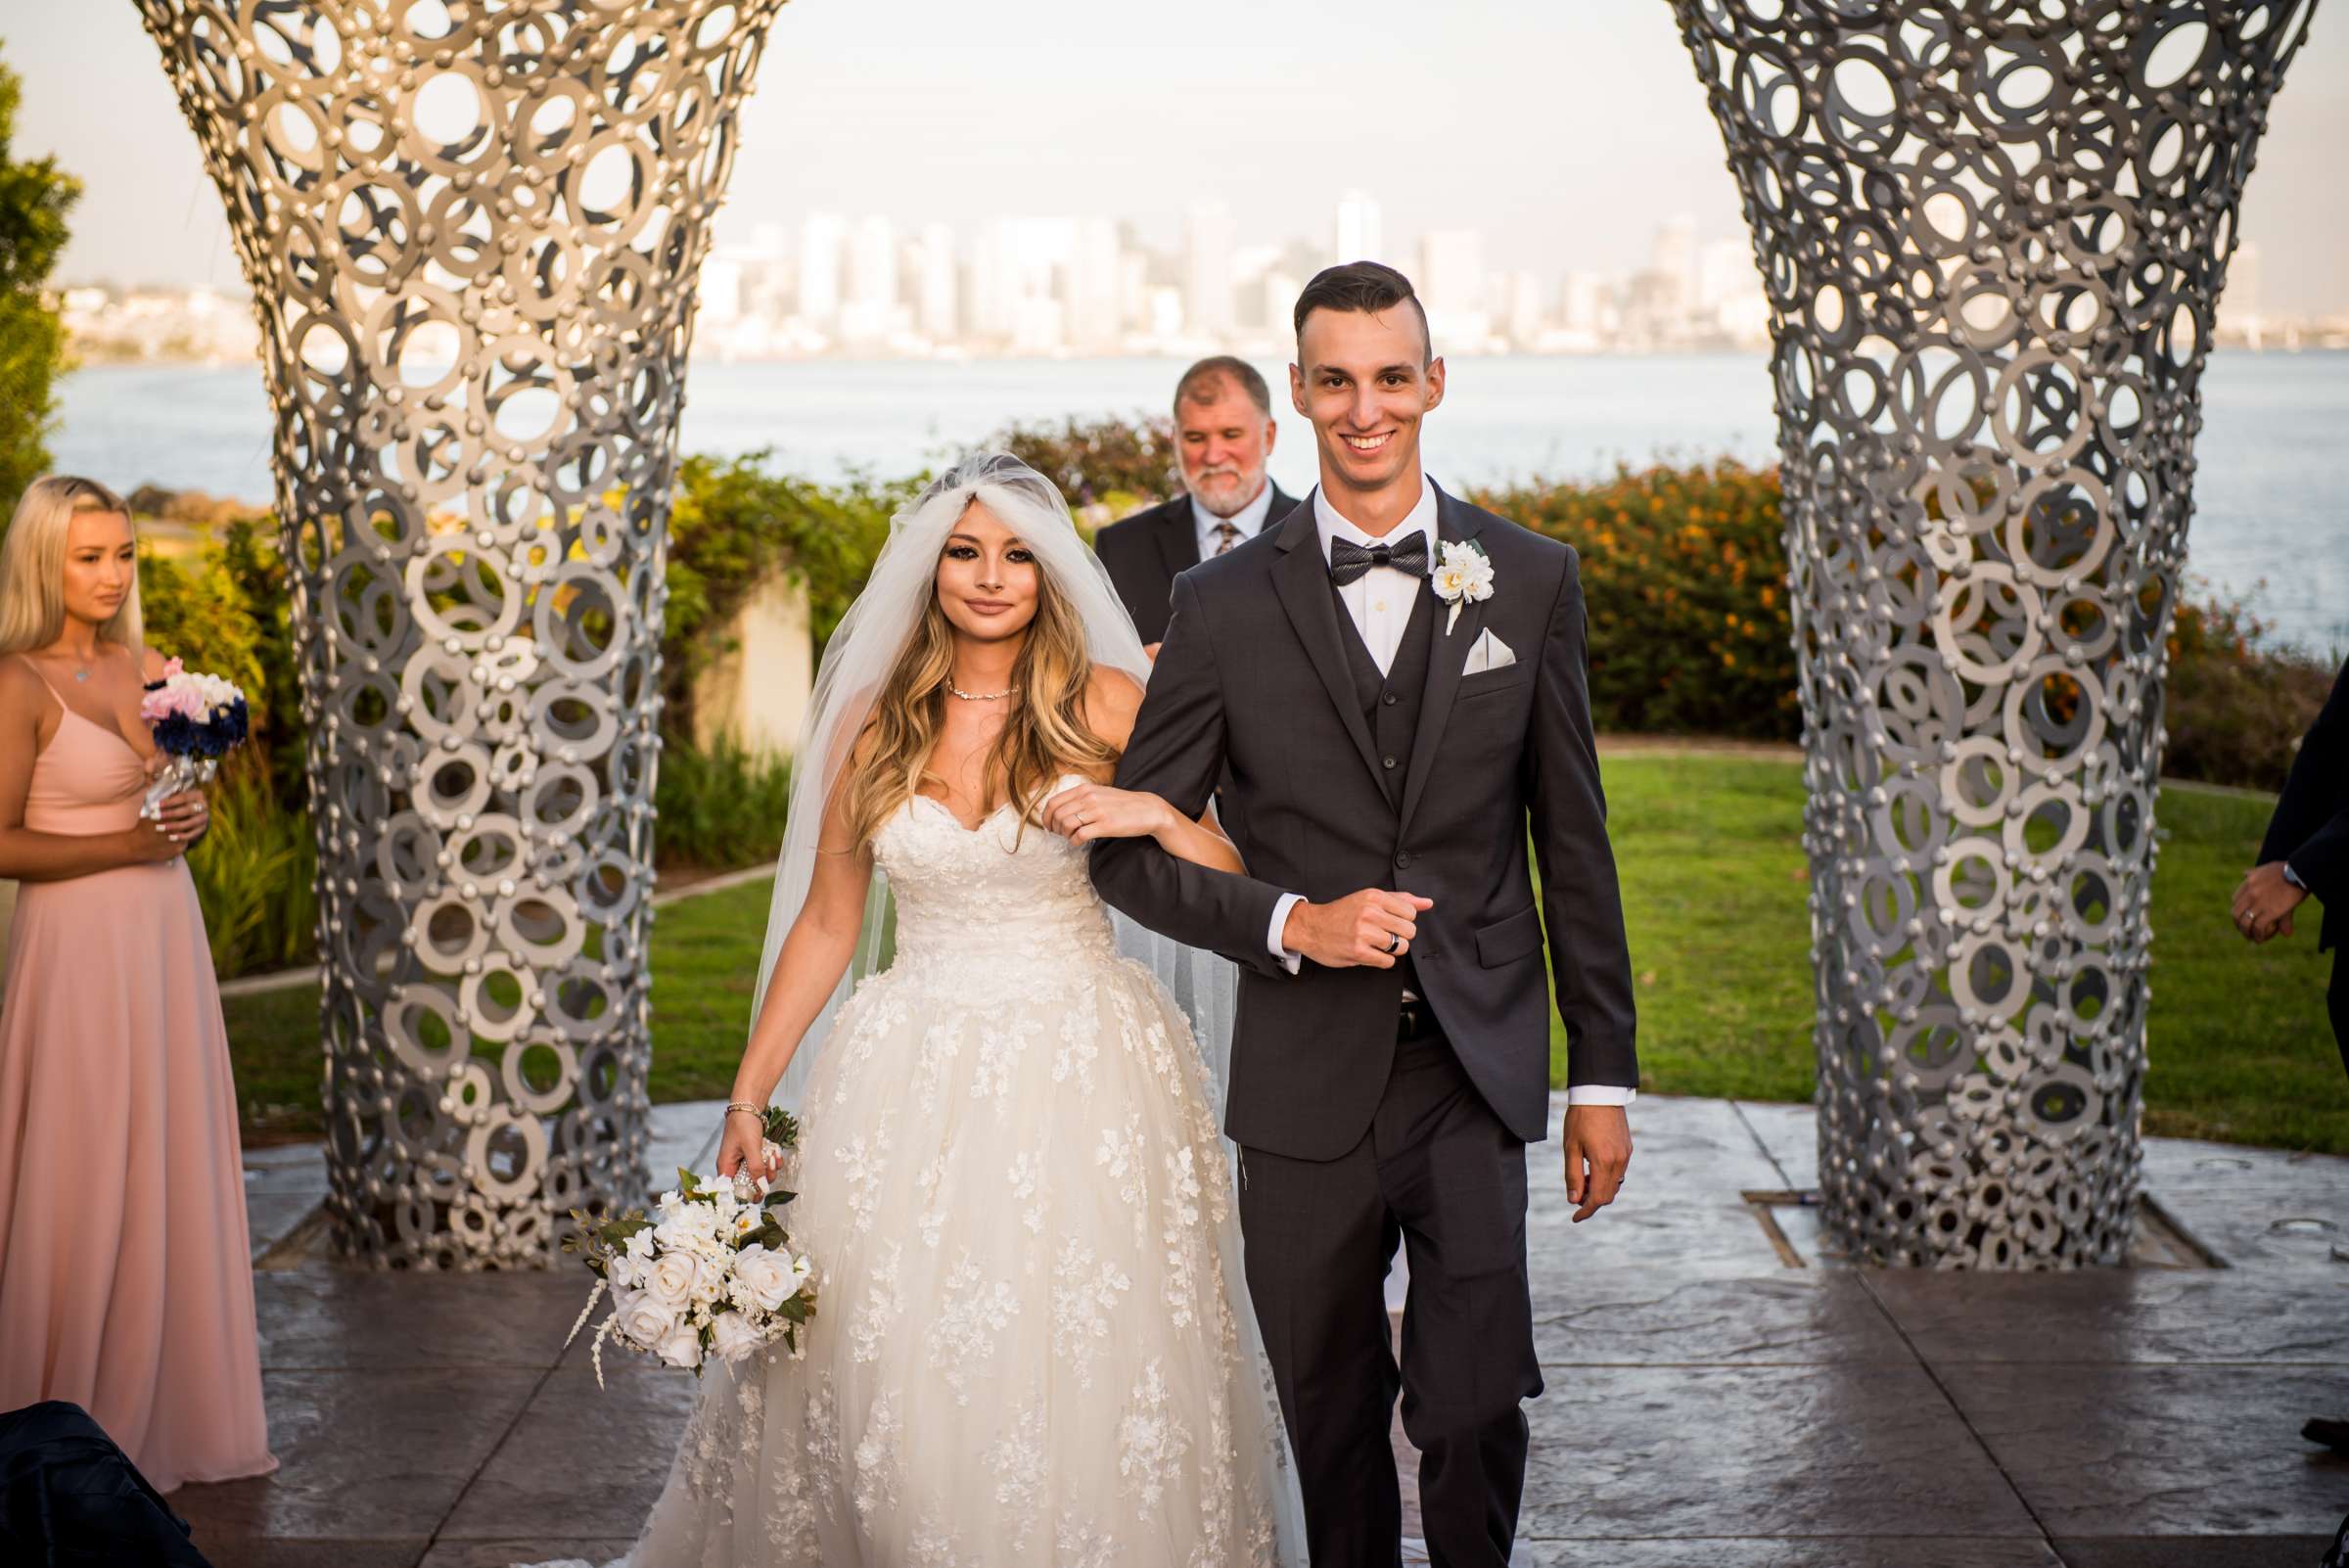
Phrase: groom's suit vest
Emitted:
{"points": [[1391, 702]]}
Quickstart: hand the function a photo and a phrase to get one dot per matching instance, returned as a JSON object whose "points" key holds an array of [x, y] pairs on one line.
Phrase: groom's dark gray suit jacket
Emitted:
{"points": [[1259, 671]]}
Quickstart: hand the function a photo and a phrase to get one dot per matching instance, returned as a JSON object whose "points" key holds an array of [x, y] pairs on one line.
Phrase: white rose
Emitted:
{"points": [[732, 1337], [669, 1280], [682, 1348], [763, 1278], [643, 1320]]}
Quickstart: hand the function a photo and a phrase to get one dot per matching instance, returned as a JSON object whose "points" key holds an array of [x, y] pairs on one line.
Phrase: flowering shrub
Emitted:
{"points": [[1105, 467], [2235, 713], [1684, 579]]}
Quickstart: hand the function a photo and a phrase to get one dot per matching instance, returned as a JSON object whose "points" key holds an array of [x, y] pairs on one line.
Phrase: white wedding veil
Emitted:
{"points": [[858, 661]]}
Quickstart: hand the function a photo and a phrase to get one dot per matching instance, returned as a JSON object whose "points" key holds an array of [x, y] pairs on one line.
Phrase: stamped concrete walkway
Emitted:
{"points": [[1710, 1403]]}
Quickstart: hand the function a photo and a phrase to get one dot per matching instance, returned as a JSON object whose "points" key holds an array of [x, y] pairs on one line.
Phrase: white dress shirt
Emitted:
{"points": [[1380, 602], [1249, 520]]}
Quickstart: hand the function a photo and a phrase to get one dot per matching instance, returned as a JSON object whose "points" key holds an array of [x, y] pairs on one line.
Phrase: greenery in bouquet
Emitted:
{"points": [[711, 1276]]}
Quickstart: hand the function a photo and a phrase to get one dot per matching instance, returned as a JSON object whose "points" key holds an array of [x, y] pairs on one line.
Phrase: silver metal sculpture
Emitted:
{"points": [[1993, 237], [471, 229]]}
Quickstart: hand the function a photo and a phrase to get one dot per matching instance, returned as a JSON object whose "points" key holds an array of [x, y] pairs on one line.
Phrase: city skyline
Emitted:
{"points": [[1566, 140], [1036, 285], [1057, 287]]}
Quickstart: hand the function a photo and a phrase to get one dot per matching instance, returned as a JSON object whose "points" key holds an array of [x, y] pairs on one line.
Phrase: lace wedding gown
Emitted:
{"points": [[1033, 1344]]}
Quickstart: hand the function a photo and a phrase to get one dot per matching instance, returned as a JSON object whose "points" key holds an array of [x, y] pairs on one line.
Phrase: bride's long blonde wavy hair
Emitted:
{"points": [[1043, 736]]}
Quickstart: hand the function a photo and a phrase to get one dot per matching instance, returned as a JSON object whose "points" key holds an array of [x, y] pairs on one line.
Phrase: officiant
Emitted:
{"points": [[1224, 434]]}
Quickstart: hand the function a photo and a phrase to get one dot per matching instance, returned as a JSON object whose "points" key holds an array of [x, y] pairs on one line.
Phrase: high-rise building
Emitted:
{"points": [[873, 264], [1280, 291], [1673, 262], [935, 303], [1360, 235], [823, 245], [719, 291], [1133, 290], [1522, 316], [1452, 286], [1585, 311], [1724, 269], [1094, 317], [870, 313], [1208, 236]]}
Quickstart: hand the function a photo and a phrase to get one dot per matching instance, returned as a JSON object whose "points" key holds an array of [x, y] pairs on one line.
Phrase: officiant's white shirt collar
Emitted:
{"points": [[1334, 523], [1249, 520]]}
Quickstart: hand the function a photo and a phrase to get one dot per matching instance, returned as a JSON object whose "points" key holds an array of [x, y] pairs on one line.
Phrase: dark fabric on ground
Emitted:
{"points": [[70, 1499]]}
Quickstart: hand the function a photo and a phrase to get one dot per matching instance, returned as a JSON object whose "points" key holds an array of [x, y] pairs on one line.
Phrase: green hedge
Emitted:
{"points": [[1684, 583], [1683, 571]]}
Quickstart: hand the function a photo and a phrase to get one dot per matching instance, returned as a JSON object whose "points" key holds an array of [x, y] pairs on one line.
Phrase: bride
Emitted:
{"points": [[1033, 1343]]}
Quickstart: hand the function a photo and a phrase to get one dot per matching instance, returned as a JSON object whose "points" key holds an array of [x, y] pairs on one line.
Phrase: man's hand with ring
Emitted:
{"points": [[2265, 901]]}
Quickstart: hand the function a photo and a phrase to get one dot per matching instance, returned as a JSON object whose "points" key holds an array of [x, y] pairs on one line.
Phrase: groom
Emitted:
{"points": [[1394, 739]]}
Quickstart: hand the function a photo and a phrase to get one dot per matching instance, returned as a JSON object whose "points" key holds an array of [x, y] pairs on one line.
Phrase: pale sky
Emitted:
{"points": [[1566, 131]]}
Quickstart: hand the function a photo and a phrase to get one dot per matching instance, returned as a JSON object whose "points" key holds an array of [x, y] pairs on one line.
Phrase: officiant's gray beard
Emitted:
{"points": [[1235, 508]]}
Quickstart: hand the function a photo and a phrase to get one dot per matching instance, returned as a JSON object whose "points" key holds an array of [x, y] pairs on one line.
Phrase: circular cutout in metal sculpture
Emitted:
{"points": [[1993, 238], [471, 230]]}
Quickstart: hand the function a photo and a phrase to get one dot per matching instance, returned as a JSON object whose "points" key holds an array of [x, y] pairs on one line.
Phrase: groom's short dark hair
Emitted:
{"points": [[1367, 287]]}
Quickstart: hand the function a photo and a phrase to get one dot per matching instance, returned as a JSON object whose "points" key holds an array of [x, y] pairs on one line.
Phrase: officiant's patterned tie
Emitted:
{"points": [[1229, 534]]}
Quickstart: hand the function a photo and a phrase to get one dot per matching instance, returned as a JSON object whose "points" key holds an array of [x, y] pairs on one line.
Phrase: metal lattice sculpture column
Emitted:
{"points": [[471, 229], [1993, 237]]}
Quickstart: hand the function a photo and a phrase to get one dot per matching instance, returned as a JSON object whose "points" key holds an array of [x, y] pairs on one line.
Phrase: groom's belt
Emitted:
{"points": [[1414, 1019]]}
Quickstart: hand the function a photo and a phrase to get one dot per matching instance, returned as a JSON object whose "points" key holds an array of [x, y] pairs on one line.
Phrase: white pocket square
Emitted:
{"points": [[1489, 654]]}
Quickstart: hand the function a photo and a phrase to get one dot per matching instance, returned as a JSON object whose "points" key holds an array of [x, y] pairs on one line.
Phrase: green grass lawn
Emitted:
{"points": [[1714, 883]]}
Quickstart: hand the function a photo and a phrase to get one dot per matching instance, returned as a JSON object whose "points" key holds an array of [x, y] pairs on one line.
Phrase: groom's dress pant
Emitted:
{"points": [[1440, 1171]]}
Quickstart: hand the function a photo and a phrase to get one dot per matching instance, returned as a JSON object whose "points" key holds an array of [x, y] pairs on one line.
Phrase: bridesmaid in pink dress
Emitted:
{"points": [[126, 1279]]}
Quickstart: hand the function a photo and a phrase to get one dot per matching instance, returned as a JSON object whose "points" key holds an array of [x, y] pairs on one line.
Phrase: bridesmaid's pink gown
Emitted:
{"points": [[125, 1271]]}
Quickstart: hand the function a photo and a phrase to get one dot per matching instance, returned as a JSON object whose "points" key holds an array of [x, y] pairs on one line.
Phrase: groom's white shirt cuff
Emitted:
{"points": [[1280, 924], [1579, 1095]]}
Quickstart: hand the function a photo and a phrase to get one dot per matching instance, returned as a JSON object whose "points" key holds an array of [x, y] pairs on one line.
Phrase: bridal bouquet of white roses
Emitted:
{"points": [[711, 1277]]}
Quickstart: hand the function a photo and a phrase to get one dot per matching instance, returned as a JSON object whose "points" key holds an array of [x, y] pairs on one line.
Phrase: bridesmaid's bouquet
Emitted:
{"points": [[197, 720], [711, 1277]]}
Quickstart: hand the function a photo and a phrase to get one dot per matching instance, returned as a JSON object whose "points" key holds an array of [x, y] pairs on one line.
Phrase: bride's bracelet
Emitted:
{"points": [[743, 1105]]}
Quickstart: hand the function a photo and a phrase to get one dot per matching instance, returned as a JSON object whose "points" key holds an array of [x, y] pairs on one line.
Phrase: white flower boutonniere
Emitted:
{"points": [[1463, 576]]}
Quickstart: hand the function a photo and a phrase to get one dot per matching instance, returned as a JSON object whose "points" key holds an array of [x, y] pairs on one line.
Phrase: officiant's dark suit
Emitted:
{"points": [[1362, 1118], [1146, 552], [2309, 834]]}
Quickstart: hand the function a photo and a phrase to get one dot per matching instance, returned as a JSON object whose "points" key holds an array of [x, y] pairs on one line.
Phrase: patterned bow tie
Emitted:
{"points": [[1348, 561]]}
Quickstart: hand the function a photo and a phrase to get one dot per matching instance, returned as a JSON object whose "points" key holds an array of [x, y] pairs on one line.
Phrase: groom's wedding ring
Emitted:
{"points": [[1394, 945]]}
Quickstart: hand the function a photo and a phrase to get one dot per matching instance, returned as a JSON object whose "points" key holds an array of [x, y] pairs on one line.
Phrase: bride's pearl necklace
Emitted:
{"points": [[975, 696]]}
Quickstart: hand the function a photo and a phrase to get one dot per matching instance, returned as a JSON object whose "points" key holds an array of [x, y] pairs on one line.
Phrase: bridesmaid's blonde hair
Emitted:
{"points": [[32, 565]]}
